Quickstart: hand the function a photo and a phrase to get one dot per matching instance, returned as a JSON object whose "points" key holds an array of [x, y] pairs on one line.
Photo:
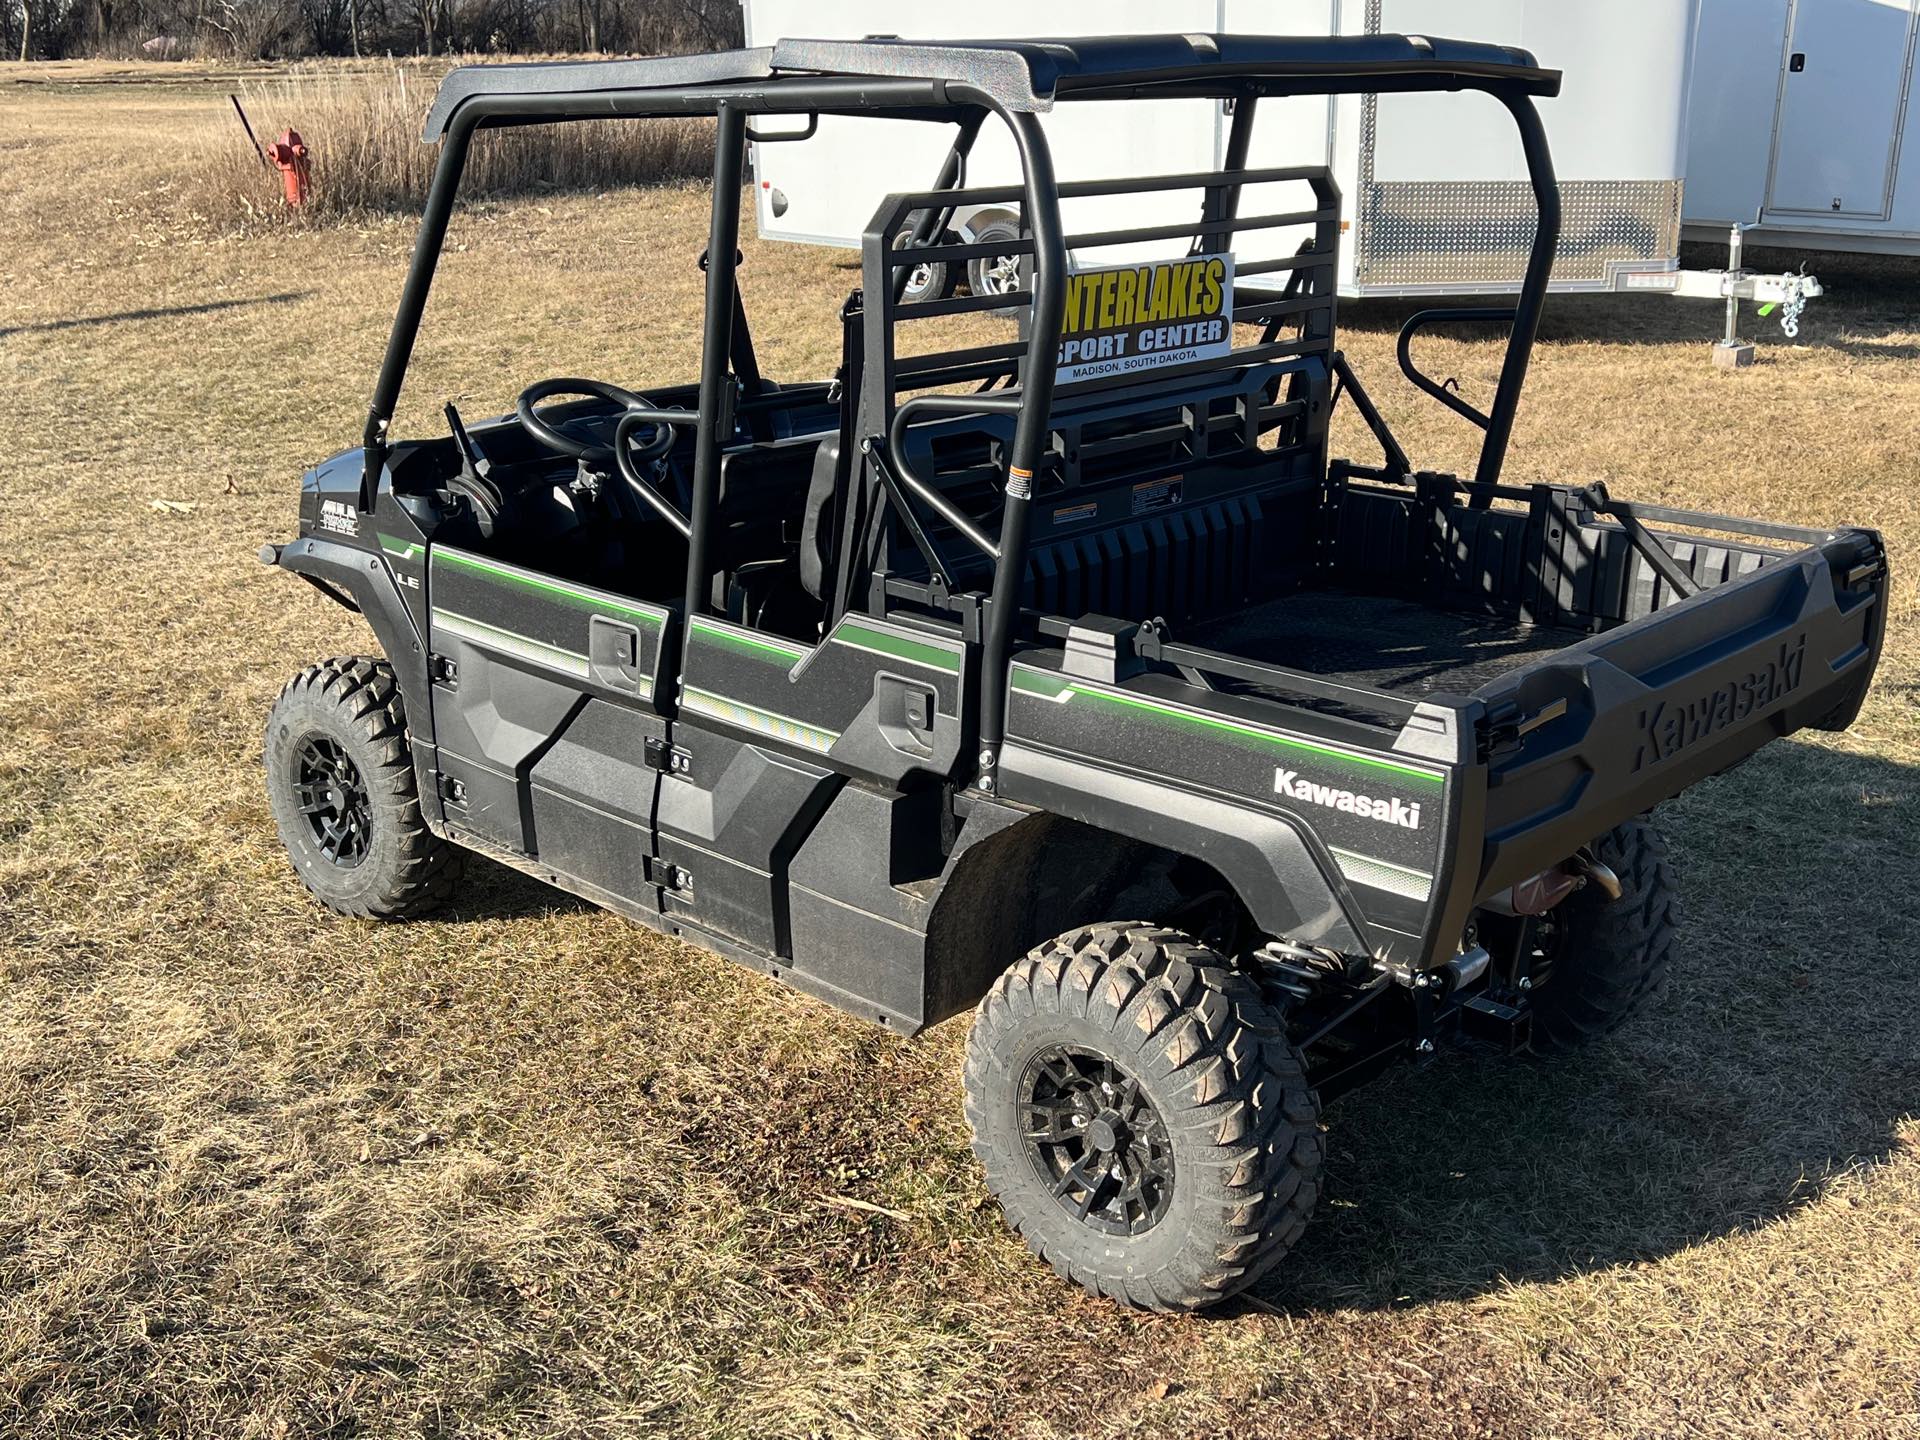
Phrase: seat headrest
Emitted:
{"points": [[816, 524]]}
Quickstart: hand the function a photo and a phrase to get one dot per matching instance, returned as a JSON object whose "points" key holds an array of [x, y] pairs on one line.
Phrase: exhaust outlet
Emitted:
{"points": [[1589, 866]]}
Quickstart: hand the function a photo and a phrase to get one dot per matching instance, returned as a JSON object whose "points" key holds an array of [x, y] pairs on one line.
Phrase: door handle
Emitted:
{"points": [[907, 711], [613, 655]]}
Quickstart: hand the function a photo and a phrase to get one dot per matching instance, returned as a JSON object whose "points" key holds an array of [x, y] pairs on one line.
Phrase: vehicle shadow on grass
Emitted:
{"points": [[1784, 1051], [492, 891]]}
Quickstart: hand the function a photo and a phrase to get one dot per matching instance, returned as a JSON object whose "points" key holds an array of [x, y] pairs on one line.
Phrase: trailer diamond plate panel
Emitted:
{"points": [[1457, 232]]}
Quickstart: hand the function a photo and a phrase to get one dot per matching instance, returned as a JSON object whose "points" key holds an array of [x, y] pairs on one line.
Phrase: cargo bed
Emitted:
{"points": [[1528, 674], [1380, 642]]}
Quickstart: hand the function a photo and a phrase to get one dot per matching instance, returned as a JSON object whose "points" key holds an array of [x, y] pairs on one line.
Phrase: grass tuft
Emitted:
{"points": [[362, 129]]}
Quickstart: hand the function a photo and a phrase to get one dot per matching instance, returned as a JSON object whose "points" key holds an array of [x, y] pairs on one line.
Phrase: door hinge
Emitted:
{"points": [[669, 876], [452, 791], [444, 670], [668, 759]]}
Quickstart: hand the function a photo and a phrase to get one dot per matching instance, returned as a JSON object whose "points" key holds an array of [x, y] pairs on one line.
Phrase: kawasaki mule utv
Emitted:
{"points": [[1064, 678]]}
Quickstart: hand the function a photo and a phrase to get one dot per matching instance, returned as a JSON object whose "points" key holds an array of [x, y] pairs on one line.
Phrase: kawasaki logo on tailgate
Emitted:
{"points": [[1389, 812], [1670, 726]]}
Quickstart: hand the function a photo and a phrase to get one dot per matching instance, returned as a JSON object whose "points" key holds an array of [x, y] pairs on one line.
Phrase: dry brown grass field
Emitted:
{"points": [[526, 1169]]}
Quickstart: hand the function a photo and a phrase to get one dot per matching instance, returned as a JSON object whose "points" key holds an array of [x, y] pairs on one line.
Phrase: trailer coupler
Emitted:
{"points": [[1789, 292]]}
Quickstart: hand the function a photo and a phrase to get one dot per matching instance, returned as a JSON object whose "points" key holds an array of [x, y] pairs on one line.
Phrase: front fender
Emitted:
{"points": [[369, 581], [1262, 856]]}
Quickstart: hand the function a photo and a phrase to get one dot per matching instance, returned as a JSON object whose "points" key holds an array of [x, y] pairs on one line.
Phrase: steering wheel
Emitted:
{"points": [[563, 436]]}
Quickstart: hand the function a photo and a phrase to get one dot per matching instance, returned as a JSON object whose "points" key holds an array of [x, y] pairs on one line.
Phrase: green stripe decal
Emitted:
{"points": [[784, 651], [401, 549], [492, 637], [1049, 687], [1035, 682], [865, 637], [574, 595], [752, 717]]}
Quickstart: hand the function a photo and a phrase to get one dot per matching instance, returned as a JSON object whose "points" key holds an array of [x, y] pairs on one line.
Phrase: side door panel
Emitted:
{"points": [[771, 729], [544, 701], [727, 827]]}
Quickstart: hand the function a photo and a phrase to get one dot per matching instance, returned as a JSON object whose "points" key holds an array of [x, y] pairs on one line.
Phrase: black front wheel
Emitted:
{"points": [[340, 780], [1141, 1116]]}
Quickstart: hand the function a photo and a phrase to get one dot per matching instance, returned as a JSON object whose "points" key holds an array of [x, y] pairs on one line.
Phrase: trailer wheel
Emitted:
{"points": [[341, 783], [1598, 960], [1141, 1116], [995, 274], [929, 280]]}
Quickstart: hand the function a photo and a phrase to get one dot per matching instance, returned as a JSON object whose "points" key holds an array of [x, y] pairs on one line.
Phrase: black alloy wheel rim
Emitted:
{"points": [[1095, 1140], [333, 800]]}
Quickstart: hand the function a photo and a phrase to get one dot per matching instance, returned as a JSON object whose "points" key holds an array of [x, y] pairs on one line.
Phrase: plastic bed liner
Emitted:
{"points": [[1380, 642]]}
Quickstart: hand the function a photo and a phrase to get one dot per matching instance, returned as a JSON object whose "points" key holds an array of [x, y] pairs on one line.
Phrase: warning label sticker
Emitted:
{"points": [[1156, 494], [1126, 318]]}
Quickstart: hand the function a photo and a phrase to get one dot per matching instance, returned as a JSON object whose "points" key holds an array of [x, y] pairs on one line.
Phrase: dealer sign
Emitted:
{"points": [[1125, 318]]}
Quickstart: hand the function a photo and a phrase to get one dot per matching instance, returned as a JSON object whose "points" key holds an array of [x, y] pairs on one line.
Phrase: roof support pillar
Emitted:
{"points": [[716, 337], [413, 302], [1533, 293], [1041, 209]]}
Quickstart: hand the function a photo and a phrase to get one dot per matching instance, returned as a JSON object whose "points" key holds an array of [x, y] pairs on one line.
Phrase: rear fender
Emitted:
{"points": [[1263, 856]]}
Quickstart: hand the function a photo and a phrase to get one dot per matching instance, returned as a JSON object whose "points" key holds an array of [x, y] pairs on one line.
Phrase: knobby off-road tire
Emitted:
{"points": [[1607, 957], [340, 779], [1208, 1116]]}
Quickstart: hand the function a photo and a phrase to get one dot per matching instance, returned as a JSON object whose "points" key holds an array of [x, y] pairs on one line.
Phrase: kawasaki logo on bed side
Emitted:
{"points": [[1670, 726], [1387, 812]]}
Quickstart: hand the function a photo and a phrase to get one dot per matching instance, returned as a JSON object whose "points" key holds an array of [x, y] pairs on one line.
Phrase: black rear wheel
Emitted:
{"points": [[1096, 1140], [341, 782], [1141, 1116], [1597, 960]]}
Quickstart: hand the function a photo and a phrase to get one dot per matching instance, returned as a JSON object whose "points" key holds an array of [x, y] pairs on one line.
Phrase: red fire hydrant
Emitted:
{"points": [[289, 152]]}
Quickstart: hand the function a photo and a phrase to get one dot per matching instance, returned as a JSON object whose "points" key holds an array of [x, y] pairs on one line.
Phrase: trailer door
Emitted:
{"points": [[1842, 91]]}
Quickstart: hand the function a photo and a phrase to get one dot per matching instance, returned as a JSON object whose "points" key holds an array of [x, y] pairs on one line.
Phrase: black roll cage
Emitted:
{"points": [[962, 84]]}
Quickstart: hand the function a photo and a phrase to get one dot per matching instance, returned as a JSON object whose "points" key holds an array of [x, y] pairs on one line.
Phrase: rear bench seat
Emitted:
{"points": [[1159, 501]]}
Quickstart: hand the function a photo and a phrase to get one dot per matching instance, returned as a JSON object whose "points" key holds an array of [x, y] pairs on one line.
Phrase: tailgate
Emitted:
{"points": [[1673, 697]]}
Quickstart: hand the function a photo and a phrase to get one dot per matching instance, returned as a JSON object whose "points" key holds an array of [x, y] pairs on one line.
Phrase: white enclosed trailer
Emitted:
{"points": [[1800, 117], [1434, 193]]}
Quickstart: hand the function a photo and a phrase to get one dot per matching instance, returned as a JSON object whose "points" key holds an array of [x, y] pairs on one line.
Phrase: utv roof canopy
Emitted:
{"points": [[1010, 75]]}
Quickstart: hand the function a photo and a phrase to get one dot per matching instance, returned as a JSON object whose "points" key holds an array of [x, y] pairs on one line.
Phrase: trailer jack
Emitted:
{"points": [[1790, 292]]}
